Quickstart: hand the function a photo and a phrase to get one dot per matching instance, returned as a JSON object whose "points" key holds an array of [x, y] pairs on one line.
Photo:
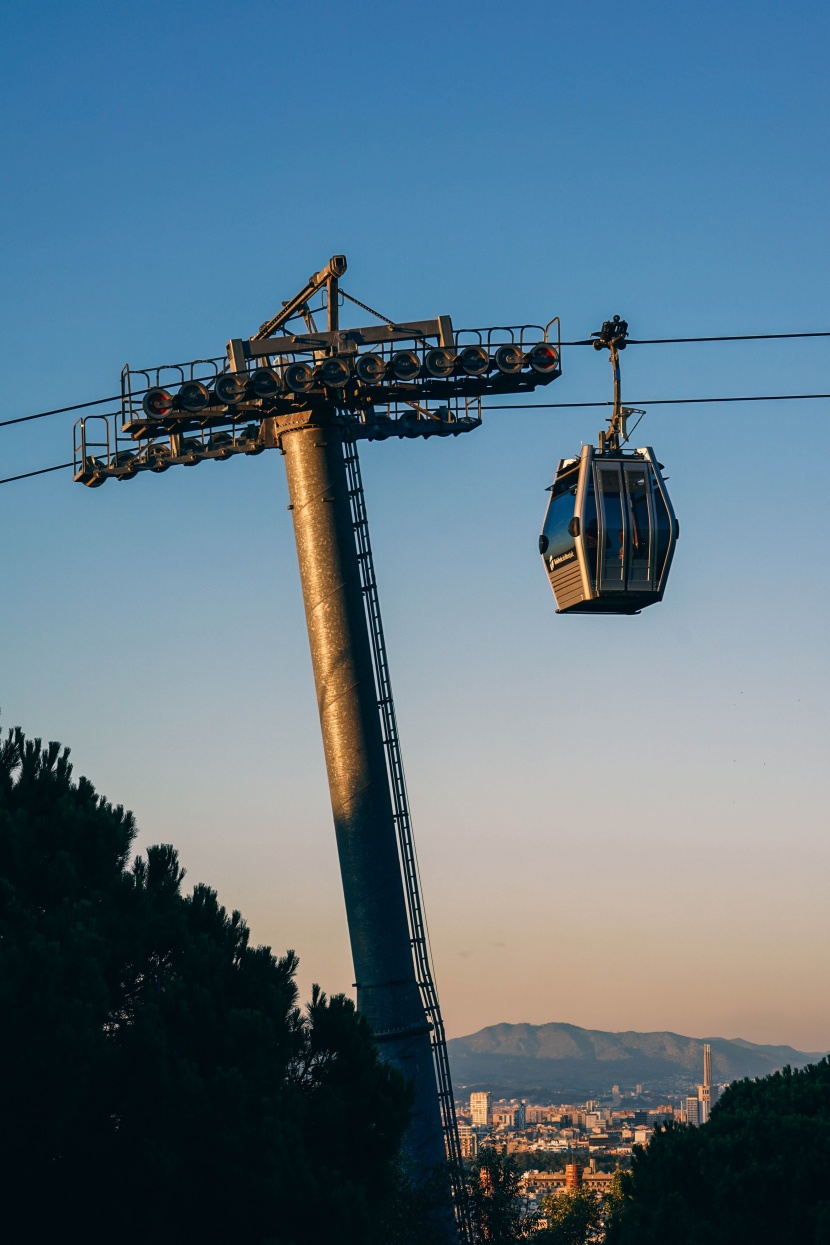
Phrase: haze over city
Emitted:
{"points": [[621, 822]]}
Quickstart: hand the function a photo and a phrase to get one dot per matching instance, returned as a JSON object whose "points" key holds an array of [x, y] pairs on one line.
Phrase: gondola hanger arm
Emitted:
{"points": [[612, 336]]}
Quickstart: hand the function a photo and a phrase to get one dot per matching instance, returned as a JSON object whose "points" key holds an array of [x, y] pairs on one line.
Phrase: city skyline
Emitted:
{"points": [[554, 1126], [565, 774]]}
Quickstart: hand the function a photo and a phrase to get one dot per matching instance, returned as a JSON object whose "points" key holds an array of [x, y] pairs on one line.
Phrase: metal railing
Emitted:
{"points": [[419, 936]]}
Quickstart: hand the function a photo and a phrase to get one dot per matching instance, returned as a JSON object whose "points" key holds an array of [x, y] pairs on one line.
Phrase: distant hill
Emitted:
{"points": [[559, 1059]]}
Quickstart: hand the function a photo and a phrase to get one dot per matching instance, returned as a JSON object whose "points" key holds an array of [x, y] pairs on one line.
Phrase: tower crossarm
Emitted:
{"points": [[415, 378]]}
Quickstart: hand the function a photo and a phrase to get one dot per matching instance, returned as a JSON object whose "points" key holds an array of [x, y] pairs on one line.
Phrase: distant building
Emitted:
{"points": [[703, 1102], [538, 1184], [695, 1108], [540, 1115], [573, 1176], [469, 1141], [520, 1115], [704, 1091], [600, 1182], [481, 1108]]}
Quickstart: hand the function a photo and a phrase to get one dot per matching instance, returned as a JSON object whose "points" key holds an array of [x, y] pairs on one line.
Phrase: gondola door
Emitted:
{"points": [[613, 526], [640, 569]]}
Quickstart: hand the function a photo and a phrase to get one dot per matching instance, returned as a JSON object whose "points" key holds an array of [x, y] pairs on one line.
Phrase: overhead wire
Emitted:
{"points": [[60, 410], [646, 341], [667, 341], [548, 406], [735, 337], [757, 397], [513, 406], [41, 472], [79, 406]]}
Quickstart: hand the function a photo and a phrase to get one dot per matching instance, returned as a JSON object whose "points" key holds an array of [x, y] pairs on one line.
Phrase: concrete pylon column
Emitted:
{"points": [[387, 990]]}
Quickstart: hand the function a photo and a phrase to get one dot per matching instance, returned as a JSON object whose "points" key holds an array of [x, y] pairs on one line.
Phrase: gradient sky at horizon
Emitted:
{"points": [[621, 823]]}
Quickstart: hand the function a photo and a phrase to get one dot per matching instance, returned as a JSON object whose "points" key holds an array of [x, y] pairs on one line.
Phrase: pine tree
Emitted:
{"points": [[159, 1081]]}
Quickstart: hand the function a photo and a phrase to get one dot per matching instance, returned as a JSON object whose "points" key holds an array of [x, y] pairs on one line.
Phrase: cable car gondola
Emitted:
{"points": [[610, 531]]}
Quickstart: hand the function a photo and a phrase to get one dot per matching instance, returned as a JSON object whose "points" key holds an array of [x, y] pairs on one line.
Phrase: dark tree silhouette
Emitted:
{"points": [[158, 1081], [574, 1217], [498, 1203], [756, 1174]]}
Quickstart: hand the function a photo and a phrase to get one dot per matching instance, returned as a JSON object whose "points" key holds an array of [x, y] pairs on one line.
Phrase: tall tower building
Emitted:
{"points": [[573, 1176], [468, 1138], [704, 1091], [481, 1109]]}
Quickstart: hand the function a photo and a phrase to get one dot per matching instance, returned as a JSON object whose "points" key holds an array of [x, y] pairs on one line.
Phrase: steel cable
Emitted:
{"points": [[651, 341], [549, 406]]}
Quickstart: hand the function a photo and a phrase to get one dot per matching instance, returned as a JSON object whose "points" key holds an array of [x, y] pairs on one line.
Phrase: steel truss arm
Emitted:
{"points": [[327, 276]]}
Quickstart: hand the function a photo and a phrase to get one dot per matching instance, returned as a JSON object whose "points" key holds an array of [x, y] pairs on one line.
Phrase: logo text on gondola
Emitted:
{"points": [[561, 559]]}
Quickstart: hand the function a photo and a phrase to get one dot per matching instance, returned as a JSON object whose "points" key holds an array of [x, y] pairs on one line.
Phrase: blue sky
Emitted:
{"points": [[621, 822]]}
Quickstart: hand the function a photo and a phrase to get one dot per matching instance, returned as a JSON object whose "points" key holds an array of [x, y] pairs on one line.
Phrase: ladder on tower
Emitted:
{"points": [[419, 936]]}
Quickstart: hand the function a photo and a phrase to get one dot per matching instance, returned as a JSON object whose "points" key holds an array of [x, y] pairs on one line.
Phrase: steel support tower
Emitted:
{"points": [[341, 654], [313, 394]]}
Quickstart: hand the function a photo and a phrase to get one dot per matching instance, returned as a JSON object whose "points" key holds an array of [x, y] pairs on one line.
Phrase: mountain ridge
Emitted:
{"points": [[562, 1058]]}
